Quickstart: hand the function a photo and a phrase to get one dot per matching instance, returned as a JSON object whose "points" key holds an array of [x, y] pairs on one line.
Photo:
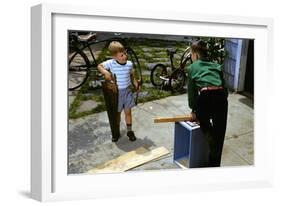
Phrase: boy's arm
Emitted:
{"points": [[106, 73]]}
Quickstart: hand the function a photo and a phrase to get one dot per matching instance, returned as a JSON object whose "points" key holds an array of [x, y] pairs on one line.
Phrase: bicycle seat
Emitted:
{"points": [[171, 51], [87, 37]]}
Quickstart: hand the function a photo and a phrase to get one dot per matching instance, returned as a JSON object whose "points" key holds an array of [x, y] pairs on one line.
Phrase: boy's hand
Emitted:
{"points": [[138, 86], [107, 76], [194, 118]]}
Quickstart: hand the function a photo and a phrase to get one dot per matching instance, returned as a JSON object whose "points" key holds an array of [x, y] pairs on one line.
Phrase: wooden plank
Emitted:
{"points": [[130, 160], [110, 94], [114, 165], [173, 119], [146, 157]]}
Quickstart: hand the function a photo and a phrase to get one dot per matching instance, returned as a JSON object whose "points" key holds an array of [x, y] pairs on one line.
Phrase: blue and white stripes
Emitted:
{"points": [[122, 72]]}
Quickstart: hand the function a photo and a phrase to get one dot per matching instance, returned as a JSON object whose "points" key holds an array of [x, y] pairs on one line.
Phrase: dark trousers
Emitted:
{"points": [[211, 111]]}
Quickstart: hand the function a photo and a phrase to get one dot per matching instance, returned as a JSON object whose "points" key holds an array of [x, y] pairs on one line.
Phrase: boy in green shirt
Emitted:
{"points": [[208, 101]]}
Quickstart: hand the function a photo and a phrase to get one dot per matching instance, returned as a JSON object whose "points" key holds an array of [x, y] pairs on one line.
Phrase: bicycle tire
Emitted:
{"points": [[136, 65], [158, 71], [78, 68], [177, 80]]}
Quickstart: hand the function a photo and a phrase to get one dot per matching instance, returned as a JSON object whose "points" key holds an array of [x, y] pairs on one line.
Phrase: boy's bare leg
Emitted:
{"points": [[128, 119], [128, 116]]}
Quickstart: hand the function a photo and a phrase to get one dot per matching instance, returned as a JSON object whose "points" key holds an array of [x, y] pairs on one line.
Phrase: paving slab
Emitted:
{"points": [[240, 116], [87, 106], [70, 100], [243, 146], [231, 158]]}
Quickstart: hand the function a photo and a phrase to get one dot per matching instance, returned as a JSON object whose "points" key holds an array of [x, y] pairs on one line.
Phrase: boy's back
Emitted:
{"points": [[205, 73]]}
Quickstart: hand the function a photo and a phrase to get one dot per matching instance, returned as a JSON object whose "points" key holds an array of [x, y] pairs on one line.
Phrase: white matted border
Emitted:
{"points": [[49, 179]]}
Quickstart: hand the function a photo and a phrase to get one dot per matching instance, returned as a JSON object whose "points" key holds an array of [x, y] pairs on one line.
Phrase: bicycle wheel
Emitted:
{"points": [[133, 57], [78, 68], [158, 74], [186, 56], [177, 80]]}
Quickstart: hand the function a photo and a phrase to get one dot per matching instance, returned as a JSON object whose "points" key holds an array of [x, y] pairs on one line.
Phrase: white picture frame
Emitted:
{"points": [[49, 179]]}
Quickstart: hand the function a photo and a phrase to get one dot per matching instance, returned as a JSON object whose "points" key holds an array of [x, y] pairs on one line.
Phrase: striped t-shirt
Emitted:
{"points": [[122, 72]]}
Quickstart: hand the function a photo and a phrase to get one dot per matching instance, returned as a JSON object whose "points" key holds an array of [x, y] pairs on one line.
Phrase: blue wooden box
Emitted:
{"points": [[190, 146]]}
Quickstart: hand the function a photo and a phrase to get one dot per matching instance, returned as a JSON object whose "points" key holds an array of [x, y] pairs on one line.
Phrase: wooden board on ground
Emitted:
{"points": [[130, 160], [173, 119], [115, 164]]}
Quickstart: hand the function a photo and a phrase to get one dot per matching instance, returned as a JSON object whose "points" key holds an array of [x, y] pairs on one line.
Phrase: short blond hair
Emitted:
{"points": [[115, 47]]}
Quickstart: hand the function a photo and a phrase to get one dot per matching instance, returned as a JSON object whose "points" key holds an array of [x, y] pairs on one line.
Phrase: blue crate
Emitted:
{"points": [[190, 146]]}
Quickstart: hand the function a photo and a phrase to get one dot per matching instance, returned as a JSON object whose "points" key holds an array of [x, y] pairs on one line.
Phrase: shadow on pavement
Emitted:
{"points": [[126, 145], [248, 102]]}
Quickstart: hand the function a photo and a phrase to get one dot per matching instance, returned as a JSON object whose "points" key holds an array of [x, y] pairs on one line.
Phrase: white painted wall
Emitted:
{"points": [[235, 63]]}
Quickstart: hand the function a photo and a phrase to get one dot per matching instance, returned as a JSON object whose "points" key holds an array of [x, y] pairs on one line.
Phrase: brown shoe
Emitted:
{"points": [[131, 136]]}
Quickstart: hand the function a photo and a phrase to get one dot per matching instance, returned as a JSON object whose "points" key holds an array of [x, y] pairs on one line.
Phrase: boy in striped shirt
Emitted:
{"points": [[123, 69]]}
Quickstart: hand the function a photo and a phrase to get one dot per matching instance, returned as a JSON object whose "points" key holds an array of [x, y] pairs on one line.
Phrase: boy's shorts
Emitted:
{"points": [[125, 99]]}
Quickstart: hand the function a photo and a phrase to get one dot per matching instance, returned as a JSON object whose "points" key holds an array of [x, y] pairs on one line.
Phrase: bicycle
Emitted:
{"points": [[83, 63], [172, 76]]}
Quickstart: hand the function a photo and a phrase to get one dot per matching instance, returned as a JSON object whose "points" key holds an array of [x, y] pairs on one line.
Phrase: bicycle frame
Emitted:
{"points": [[184, 58], [160, 75], [93, 63], [172, 60]]}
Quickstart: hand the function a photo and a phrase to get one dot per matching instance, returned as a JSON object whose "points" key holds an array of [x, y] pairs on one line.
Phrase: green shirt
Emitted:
{"points": [[202, 74]]}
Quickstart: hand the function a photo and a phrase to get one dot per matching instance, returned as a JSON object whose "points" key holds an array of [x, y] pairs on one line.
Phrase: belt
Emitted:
{"points": [[210, 88]]}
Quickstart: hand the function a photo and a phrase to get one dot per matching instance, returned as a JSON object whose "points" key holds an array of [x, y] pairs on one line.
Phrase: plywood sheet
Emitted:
{"points": [[130, 160]]}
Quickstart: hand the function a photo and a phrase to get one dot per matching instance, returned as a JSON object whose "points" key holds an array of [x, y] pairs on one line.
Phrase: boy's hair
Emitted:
{"points": [[200, 47], [115, 47]]}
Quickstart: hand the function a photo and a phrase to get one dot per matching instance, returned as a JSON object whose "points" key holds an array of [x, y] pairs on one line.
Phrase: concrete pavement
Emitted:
{"points": [[90, 137]]}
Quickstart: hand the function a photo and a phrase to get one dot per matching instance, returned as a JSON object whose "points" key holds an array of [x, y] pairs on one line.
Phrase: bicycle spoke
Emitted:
{"points": [[177, 80], [78, 69]]}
